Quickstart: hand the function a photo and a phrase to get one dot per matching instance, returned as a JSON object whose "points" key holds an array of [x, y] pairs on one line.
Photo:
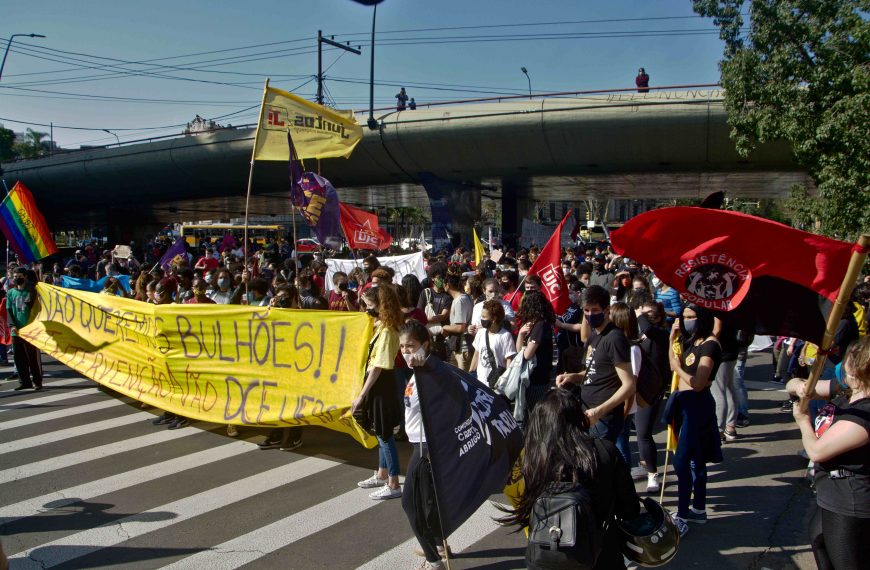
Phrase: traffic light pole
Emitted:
{"points": [[329, 41]]}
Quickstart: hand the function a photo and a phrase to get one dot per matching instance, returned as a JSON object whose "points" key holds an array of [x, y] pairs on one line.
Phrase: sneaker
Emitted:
{"points": [[22, 387], [652, 483], [292, 445], [164, 419], [777, 379], [419, 551], [639, 473], [742, 421], [729, 435], [426, 565], [787, 406], [372, 482], [696, 516], [232, 431], [386, 492], [38, 388], [269, 444], [178, 423], [681, 525]]}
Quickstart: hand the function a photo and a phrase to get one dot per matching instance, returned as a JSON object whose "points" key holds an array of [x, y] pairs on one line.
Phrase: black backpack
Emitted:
{"points": [[564, 532]]}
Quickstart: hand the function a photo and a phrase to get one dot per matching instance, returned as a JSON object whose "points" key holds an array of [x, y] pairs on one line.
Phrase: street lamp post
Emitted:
{"points": [[526, 72], [114, 135], [9, 44]]}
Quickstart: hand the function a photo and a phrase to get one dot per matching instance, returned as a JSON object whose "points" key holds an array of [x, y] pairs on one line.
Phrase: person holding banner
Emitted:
{"points": [[380, 397], [839, 444], [415, 344], [694, 409], [19, 300]]}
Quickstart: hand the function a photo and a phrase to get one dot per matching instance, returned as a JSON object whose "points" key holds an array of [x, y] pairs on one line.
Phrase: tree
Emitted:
{"points": [[800, 73], [34, 145], [7, 141]]}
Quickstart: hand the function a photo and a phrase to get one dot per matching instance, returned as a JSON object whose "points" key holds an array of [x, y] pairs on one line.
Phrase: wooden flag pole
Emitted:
{"points": [[246, 251], [859, 255]]}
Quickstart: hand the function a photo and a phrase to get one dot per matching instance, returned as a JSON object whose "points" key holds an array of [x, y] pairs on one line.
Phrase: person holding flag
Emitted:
{"points": [[694, 411]]}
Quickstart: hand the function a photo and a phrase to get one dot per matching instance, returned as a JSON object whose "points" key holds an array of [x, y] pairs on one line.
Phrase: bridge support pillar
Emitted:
{"points": [[516, 204], [455, 209]]}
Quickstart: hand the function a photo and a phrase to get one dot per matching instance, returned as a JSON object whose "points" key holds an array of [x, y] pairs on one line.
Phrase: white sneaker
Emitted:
{"points": [[372, 482], [426, 565], [386, 492], [652, 483]]}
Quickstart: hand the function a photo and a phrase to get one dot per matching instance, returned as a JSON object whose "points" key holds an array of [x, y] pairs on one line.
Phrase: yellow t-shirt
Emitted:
{"points": [[384, 349]]}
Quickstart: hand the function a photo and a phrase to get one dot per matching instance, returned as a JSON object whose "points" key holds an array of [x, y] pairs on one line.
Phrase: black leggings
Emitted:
{"points": [[644, 424], [839, 542]]}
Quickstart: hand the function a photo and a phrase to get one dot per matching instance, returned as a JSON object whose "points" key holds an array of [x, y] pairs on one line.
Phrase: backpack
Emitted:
{"points": [[650, 382], [564, 532]]}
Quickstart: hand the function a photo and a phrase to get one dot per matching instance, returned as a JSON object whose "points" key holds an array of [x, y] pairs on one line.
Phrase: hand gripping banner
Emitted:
{"points": [[228, 364]]}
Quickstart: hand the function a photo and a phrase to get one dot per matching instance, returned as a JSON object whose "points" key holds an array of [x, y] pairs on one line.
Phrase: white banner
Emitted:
{"points": [[411, 264], [538, 234]]}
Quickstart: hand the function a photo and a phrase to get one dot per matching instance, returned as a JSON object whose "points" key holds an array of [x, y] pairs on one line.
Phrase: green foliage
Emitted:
{"points": [[7, 140], [800, 73], [34, 145]]}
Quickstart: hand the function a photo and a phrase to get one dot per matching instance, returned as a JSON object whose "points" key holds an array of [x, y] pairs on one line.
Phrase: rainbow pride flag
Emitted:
{"points": [[24, 227]]}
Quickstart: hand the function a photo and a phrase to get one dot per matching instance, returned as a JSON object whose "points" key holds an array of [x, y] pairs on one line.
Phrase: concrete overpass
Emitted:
{"points": [[620, 145]]}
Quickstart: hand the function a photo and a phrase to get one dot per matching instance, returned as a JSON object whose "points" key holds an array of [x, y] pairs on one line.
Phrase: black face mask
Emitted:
{"points": [[20, 281], [486, 323]]}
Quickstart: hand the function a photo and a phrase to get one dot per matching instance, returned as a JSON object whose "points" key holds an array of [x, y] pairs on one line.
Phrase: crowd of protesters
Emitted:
{"points": [[615, 348]]}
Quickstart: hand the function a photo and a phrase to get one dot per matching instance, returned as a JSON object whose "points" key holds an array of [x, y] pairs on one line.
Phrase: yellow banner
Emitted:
{"points": [[227, 364], [317, 131]]}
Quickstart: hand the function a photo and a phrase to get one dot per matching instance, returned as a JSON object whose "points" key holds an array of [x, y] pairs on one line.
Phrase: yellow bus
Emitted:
{"points": [[193, 234]]}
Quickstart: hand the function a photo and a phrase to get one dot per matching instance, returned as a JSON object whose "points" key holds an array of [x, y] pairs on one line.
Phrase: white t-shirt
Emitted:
{"points": [[502, 346], [413, 417], [509, 314]]}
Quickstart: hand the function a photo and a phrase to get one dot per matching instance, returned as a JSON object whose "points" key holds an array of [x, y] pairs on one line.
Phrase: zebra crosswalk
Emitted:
{"points": [[87, 481]]}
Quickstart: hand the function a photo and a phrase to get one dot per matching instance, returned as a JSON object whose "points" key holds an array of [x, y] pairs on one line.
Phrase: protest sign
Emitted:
{"points": [[411, 264], [228, 364]]}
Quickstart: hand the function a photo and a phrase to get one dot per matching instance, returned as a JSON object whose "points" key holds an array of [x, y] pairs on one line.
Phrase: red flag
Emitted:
{"points": [[5, 331], [386, 240], [760, 274], [360, 227], [548, 267]]}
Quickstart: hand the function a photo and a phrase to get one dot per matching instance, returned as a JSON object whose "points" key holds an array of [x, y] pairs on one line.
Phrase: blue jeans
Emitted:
{"points": [[622, 440], [388, 456], [740, 394], [609, 427]]}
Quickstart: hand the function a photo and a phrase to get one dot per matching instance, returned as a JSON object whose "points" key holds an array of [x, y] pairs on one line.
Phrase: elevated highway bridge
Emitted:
{"points": [[569, 147]]}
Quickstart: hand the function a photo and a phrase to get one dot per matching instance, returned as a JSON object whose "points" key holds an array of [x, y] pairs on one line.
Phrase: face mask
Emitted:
{"points": [[208, 279], [689, 327], [486, 323], [639, 288], [489, 295], [595, 319], [351, 284], [20, 281], [656, 282], [439, 283], [372, 313], [224, 283], [421, 353]]}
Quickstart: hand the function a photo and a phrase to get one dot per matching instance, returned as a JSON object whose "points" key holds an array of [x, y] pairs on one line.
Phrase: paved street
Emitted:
{"points": [[86, 481]]}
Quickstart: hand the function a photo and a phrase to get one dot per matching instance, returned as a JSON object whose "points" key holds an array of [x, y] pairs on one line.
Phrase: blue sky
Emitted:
{"points": [[444, 64]]}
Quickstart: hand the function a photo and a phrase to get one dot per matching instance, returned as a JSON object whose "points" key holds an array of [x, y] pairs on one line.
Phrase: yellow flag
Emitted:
{"points": [[671, 444], [317, 131], [478, 248]]}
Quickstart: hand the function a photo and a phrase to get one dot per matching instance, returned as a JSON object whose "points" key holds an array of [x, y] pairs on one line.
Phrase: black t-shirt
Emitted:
{"points": [[542, 334], [692, 357], [603, 351], [728, 341], [850, 495], [564, 338]]}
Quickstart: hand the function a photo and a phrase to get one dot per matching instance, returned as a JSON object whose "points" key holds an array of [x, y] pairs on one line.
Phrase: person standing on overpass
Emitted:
{"points": [[642, 81]]}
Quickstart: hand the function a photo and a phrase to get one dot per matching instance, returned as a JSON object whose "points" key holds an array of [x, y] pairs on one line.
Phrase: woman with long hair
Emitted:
{"points": [[839, 445], [624, 319], [535, 338], [559, 449], [381, 393], [694, 411]]}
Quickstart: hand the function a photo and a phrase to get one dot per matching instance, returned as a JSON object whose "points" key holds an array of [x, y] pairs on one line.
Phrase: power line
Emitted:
{"points": [[85, 96]]}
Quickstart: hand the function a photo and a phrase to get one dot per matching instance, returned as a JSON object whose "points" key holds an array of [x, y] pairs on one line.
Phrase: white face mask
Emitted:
{"points": [[421, 353], [656, 282]]}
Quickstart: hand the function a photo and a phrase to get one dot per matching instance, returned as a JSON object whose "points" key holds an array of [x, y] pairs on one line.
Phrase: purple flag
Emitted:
{"points": [[317, 200], [176, 249]]}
